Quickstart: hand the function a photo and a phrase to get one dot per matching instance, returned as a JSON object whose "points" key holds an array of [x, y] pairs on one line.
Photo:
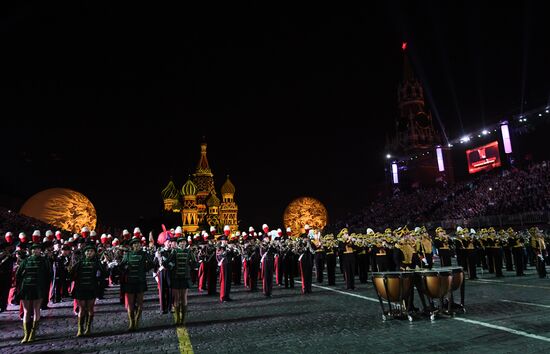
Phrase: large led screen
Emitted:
{"points": [[482, 158]]}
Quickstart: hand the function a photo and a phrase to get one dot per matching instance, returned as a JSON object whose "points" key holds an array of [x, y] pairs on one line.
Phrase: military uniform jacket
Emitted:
{"points": [[30, 277], [86, 274], [60, 266], [442, 243], [136, 264], [179, 264]]}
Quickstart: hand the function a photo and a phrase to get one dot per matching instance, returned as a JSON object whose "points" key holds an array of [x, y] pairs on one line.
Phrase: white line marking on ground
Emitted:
{"points": [[518, 285], [527, 303], [491, 280], [505, 329], [346, 293], [484, 324]]}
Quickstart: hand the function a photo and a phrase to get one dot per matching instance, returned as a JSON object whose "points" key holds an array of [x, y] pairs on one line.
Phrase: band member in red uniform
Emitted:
{"points": [[195, 267], [279, 266], [202, 259], [237, 259], [267, 252], [253, 260], [224, 259], [162, 274], [211, 263]]}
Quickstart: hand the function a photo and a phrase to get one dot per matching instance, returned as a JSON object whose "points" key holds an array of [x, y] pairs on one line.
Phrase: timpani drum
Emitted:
{"points": [[457, 283], [396, 289], [433, 284]]}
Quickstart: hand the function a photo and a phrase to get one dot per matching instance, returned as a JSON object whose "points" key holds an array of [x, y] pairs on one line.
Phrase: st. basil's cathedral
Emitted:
{"points": [[198, 202]]}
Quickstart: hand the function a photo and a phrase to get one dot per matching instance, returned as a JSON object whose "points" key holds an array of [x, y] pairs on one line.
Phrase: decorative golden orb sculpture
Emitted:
{"points": [[305, 210], [61, 207]]}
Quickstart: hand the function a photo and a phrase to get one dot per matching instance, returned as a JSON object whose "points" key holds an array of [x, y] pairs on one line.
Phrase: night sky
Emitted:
{"points": [[112, 101]]}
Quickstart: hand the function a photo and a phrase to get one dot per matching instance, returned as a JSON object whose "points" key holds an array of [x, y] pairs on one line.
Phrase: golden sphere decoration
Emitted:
{"points": [[67, 209], [305, 210]]}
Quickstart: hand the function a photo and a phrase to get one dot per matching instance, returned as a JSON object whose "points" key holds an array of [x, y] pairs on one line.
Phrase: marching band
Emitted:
{"points": [[33, 272]]}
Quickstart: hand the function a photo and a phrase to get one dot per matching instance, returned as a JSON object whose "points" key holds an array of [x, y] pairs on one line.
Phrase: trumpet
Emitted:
{"points": [[233, 248]]}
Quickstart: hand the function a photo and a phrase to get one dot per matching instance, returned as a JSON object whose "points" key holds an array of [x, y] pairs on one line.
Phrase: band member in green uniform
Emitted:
{"points": [[29, 278], [85, 274], [180, 262], [136, 263]]}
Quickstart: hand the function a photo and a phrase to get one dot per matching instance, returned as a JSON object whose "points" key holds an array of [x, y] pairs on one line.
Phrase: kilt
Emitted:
{"points": [[84, 293], [29, 292], [134, 288], [180, 283]]}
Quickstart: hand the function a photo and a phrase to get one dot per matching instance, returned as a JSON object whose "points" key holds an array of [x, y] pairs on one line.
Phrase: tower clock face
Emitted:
{"points": [[422, 119]]}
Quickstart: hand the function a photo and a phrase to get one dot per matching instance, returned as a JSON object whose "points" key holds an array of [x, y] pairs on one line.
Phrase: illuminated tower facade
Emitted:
{"points": [[414, 143], [204, 180], [198, 202], [213, 208], [189, 212], [228, 207], [171, 198], [414, 125]]}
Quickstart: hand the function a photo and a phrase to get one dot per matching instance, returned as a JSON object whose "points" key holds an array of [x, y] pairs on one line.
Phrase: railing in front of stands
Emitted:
{"points": [[522, 219]]}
